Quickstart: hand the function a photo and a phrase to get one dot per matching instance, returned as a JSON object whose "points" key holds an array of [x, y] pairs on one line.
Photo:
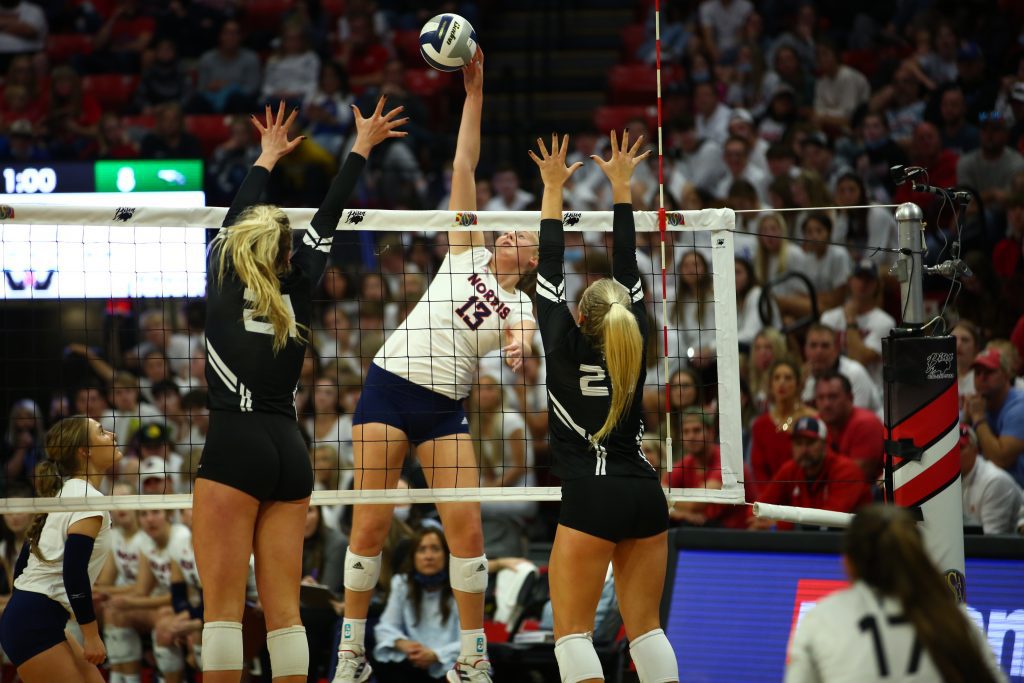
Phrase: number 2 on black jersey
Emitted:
{"points": [[479, 313], [869, 623]]}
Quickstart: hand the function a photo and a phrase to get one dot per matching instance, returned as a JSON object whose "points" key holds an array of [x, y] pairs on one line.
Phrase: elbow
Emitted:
{"points": [[463, 165]]}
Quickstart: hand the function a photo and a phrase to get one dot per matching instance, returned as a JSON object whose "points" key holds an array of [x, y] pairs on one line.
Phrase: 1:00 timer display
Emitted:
{"points": [[30, 180]]}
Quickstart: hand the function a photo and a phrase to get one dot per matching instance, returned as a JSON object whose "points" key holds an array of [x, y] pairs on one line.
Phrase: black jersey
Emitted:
{"points": [[242, 370], [579, 390]]}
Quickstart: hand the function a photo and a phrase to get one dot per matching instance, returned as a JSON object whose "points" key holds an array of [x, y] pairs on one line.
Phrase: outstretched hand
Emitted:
{"points": [[377, 127], [273, 132], [473, 74], [624, 161], [553, 170]]}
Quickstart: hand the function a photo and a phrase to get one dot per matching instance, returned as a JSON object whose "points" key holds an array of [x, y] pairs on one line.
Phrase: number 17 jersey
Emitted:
{"points": [[461, 317]]}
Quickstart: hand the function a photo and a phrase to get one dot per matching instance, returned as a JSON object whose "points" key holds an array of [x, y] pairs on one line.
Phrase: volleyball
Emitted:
{"points": [[448, 42]]}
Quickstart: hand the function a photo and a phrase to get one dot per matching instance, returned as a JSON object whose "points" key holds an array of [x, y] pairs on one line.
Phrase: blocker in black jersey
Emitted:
{"points": [[245, 375], [579, 389]]}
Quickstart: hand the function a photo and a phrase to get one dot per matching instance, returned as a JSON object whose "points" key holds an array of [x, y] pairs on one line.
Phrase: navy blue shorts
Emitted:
{"points": [[32, 623], [420, 413]]}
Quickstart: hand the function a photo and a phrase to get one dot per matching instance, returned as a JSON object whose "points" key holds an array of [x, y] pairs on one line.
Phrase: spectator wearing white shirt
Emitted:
{"points": [[721, 22], [693, 159], [710, 114], [817, 155], [23, 29], [860, 322], [776, 255], [991, 496], [821, 352], [863, 230], [157, 333], [748, 297], [736, 156], [827, 266], [292, 73], [839, 90], [741, 125], [508, 195]]}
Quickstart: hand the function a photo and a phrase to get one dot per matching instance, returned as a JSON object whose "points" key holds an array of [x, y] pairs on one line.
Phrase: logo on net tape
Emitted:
{"points": [[355, 217], [29, 281], [939, 365], [571, 218], [957, 583], [675, 218], [124, 213], [6, 212], [465, 218]]}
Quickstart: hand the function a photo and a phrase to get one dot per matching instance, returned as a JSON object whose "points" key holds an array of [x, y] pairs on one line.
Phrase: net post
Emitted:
{"points": [[922, 448]]}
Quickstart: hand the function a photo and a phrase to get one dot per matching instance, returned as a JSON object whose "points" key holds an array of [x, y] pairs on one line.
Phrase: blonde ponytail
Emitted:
{"points": [[608, 320], [63, 442], [258, 245]]}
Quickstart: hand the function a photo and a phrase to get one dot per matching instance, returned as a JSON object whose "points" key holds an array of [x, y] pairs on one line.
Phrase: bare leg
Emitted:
{"points": [[59, 663]]}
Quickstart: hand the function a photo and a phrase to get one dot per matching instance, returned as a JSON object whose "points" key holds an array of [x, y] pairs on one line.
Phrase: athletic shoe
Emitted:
{"points": [[464, 672], [352, 667]]}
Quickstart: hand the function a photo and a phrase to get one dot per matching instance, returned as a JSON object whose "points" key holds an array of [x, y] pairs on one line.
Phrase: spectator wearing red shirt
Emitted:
{"points": [[926, 151], [770, 434], [118, 45], [363, 54], [852, 431], [815, 478]]}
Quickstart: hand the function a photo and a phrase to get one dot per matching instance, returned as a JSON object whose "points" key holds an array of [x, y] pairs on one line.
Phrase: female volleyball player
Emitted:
{"points": [[413, 393], [899, 619], [62, 558], [254, 479], [596, 374]]}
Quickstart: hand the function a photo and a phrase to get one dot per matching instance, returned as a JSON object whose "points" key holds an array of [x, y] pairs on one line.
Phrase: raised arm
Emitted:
{"points": [[467, 155]]}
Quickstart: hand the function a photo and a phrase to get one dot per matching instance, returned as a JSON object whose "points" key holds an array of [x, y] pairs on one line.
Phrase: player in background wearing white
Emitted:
{"points": [[613, 507], [124, 646], [60, 561], [413, 393], [897, 623]]}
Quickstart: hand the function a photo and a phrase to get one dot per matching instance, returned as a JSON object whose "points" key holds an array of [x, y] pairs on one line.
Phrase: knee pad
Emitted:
{"points": [[222, 646], [468, 574], [577, 659], [361, 573], [169, 659], [289, 651], [655, 661], [123, 644]]}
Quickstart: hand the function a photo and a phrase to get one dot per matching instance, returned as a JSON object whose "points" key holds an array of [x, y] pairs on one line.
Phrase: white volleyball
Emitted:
{"points": [[448, 42]]}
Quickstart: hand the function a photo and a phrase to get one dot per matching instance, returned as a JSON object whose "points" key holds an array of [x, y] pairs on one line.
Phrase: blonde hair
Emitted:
{"points": [[258, 245], [63, 441], [761, 256], [609, 322]]}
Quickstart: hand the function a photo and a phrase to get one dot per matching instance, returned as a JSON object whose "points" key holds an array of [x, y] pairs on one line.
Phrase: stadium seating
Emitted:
{"points": [[211, 129], [112, 91], [61, 47], [616, 117]]}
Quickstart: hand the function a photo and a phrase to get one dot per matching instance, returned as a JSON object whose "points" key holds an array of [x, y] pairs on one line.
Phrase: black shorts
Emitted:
{"points": [[614, 508], [32, 623], [262, 454]]}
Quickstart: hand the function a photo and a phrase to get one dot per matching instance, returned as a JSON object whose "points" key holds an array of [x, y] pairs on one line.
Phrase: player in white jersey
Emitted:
{"points": [[60, 562], [898, 622], [413, 393]]}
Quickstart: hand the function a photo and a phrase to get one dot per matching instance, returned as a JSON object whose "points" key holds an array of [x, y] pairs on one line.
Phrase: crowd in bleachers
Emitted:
{"points": [[792, 111]]}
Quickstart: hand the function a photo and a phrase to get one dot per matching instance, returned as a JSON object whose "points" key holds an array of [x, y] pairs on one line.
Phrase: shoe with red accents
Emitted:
{"points": [[352, 667]]}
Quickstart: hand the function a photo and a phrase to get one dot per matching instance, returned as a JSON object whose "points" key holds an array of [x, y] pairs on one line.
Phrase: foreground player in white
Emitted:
{"points": [[413, 393], [613, 507], [897, 623], [255, 477], [61, 560]]}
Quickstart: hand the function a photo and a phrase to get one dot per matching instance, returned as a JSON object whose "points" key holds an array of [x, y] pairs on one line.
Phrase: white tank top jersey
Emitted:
{"points": [[160, 558], [127, 551], [460, 319], [853, 636], [47, 578], [183, 555]]}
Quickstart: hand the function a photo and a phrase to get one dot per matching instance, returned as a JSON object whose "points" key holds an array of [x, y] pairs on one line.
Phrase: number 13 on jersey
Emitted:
{"points": [[473, 312]]}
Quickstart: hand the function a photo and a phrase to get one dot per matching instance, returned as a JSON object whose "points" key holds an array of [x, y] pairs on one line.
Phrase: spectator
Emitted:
{"points": [[710, 114], [769, 345], [508, 195], [827, 266], [231, 161], [329, 428], [957, 134], [991, 496], [68, 107], [323, 564], [821, 351], [194, 405], [878, 153], [863, 230], [23, 29], [748, 304], [155, 442], [902, 103], [120, 42], [22, 447], [302, 177], [167, 401], [22, 145], [89, 400], [363, 53], [989, 168], [980, 90], [229, 75], [112, 142], [721, 23], [329, 109], [1006, 255], [156, 329], [818, 156], [169, 139], [164, 79], [736, 157], [418, 633], [780, 114], [942, 166], [694, 159], [839, 91], [741, 125], [939, 65], [801, 37], [968, 343], [996, 411], [693, 312], [771, 433], [292, 72], [789, 71], [339, 340], [1016, 101], [776, 254], [127, 414], [18, 105], [854, 432], [814, 477], [701, 468], [154, 478], [860, 323]]}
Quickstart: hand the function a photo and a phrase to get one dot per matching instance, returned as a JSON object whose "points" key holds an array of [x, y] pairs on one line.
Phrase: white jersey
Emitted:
{"points": [[855, 636], [47, 578], [460, 318], [183, 555], [160, 558], [873, 326], [127, 550]]}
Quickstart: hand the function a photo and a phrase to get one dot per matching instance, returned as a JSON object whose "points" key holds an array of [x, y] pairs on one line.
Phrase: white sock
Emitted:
{"points": [[472, 644], [131, 678], [353, 634], [116, 677]]}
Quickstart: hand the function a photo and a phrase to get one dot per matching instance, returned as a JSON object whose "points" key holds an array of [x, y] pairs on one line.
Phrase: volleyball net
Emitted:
{"points": [[108, 307]]}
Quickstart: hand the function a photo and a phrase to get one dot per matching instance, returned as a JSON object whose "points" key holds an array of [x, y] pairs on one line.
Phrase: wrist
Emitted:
{"points": [[361, 148]]}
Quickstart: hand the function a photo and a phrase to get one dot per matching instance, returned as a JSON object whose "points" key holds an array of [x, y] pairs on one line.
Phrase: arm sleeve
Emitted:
{"points": [[553, 317], [624, 267], [77, 551], [248, 194], [22, 561]]}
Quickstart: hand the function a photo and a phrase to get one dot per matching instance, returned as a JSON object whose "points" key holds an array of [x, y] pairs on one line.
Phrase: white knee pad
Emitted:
{"points": [[123, 644], [361, 573], [169, 659], [289, 651], [468, 574], [655, 661], [577, 659], [222, 646]]}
